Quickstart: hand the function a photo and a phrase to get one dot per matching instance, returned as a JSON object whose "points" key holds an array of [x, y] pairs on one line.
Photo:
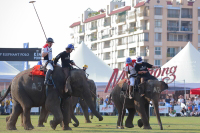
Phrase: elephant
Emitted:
{"points": [[152, 89], [83, 104], [30, 92]]}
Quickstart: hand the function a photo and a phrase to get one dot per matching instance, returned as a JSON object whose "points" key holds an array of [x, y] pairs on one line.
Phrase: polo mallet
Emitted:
{"points": [[38, 18]]}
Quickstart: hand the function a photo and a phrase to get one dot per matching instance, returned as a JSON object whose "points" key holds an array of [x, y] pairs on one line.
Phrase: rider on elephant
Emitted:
{"points": [[142, 71], [130, 69], [85, 67], [65, 59], [46, 59]]}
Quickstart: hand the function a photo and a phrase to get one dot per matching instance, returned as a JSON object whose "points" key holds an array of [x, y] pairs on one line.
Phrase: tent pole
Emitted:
{"points": [[185, 89]]}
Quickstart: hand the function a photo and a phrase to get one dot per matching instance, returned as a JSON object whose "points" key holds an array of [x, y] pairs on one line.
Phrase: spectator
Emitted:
{"points": [[171, 99], [180, 100], [196, 101], [167, 100], [97, 103], [2, 110], [183, 112], [194, 112], [172, 112], [189, 104], [101, 101], [7, 107], [11, 103]]}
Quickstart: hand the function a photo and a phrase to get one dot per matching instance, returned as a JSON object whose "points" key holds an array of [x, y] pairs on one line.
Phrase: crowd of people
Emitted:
{"points": [[6, 106], [189, 107]]}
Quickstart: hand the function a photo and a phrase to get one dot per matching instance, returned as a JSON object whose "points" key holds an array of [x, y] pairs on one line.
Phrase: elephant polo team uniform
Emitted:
{"points": [[48, 57], [65, 59], [133, 73], [143, 67]]}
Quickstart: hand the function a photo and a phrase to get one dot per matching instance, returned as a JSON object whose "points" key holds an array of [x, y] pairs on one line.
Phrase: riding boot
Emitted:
{"points": [[130, 91], [46, 82]]}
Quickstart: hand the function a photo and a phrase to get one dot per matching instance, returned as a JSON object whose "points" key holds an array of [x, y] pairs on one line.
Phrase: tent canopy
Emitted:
{"points": [[7, 72], [98, 70], [195, 91], [184, 68]]}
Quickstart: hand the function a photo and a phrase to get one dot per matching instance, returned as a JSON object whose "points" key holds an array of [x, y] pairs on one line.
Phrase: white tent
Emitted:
{"points": [[98, 70], [7, 72], [186, 68]]}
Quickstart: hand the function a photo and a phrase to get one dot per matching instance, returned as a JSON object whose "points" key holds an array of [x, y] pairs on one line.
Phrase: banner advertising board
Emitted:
{"points": [[107, 109], [20, 54]]}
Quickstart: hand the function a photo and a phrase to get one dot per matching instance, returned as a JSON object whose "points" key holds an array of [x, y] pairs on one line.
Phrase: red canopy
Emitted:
{"points": [[195, 91]]}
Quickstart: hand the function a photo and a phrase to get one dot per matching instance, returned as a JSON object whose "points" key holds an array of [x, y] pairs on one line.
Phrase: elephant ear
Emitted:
{"points": [[68, 88], [142, 86], [164, 86]]}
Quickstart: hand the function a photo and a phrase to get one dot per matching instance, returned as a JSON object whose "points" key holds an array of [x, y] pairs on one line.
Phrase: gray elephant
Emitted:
{"points": [[30, 92], [152, 89]]}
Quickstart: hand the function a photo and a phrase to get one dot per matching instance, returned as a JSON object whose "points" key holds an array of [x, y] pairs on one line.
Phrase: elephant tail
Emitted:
{"points": [[109, 100], [8, 90]]}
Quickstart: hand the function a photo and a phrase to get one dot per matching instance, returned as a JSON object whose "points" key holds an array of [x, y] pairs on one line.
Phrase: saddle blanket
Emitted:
{"points": [[36, 71]]}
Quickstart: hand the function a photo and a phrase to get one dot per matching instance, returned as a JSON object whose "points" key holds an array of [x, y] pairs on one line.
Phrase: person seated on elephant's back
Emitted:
{"points": [[65, 59], [130, 69], [142, 71]]}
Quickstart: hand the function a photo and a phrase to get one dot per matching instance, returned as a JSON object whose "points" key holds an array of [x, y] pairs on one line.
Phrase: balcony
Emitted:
{"points": [[93, 28], [180, 40], [143, 54], [170, 15], [131, 17], [186, 16], [81, 31], [120, 20], [120, 56], [120, 32], [131, 41], [172, 28], [93, 38], [132, 29], [143, 14], [186, 28], [106, 58], [132, 54], [171, 54], [105, 36], [106, 46], [143, 28], [120, 43], [106, 24]]}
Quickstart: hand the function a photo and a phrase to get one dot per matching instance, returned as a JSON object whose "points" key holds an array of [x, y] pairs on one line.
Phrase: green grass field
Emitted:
{"points": [[176, 124]]}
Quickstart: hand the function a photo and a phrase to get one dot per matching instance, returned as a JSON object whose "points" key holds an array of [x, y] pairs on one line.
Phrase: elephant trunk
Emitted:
{"points": [[76, 124], [88, 99], [156, 110]]}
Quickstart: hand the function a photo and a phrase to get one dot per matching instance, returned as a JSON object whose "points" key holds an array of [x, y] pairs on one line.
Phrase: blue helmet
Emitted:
{"points": [[50, 40], [128, 60], [139, 59], [70, 46]]}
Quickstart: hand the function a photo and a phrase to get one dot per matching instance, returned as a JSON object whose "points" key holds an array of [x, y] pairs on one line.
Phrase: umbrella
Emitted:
{"points": [[195, 91]]}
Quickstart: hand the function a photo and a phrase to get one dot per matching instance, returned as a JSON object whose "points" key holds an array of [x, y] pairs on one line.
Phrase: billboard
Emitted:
{"points": [[20, 54]]}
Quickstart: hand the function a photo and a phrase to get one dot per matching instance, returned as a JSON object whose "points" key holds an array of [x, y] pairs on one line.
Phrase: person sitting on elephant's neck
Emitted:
{"points": [[65, 59], [85, 67], [142, 71], [46, 59], [130, 69]]}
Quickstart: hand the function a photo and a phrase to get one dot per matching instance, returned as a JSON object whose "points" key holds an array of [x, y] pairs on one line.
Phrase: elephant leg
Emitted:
{"points": [[129, 119], [26, 119], [120, 120], [42, 117], [67, 111], [85, 111], [147, 110], [16, 111], [22, 123], [52, 105], [140, 107]]}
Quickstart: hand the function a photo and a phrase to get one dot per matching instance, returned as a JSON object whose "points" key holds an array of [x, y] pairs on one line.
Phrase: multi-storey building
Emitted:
{"points": [[154, 29]]}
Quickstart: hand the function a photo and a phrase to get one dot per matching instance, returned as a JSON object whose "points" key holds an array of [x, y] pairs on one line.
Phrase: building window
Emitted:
{"points": [[157, 50], [158, 23], [158, 37], [120, 65], [199, 49], [198, 38], [132, 52], [158, 10], [198, 12], [173, 13], [199, 25], [157, 62]]}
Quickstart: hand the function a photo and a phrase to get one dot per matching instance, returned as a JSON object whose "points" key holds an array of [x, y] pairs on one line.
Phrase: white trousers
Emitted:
{"points": [[49, 66], [132, 80]]}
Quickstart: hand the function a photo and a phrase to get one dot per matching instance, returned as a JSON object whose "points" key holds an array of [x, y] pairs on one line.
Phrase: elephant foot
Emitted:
{"points": [[129, 125], [101, 119], [120, 127], [41, 125], [140, 123], [67, 128], [52, 124], [28, 127], [9, 127], [147, 127], [75, 125], [7, 118], [88, 121]]}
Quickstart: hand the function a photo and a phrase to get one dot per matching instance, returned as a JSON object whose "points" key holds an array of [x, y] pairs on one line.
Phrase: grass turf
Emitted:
{"points": [[175, 124]]}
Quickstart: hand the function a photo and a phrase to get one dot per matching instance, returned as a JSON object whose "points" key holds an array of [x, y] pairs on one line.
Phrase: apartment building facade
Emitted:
{"points": [[156, 30]]}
